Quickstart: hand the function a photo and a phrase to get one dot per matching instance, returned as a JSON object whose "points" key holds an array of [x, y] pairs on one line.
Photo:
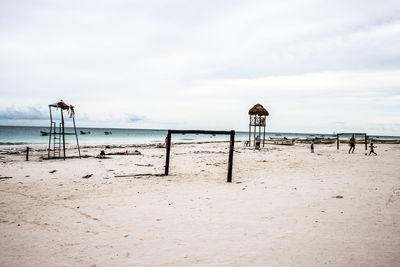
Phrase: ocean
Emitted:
{"points": [[21, 135]]}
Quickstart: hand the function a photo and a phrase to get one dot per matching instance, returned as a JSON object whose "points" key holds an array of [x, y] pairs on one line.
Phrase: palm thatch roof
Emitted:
{"points": [[61, 104], [258, 110]]}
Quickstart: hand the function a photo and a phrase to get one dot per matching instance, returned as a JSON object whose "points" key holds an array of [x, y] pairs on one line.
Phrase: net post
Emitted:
{"points": [[230, 163], [168, 150]]}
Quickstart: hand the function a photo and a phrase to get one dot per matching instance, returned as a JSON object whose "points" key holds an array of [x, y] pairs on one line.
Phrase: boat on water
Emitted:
{"points": [[85, 132], [43, 133], [107, 132]]}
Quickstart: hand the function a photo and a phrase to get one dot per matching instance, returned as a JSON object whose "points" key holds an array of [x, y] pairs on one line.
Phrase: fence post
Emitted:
{"points": [[27, 153], [230, 163], [337, 141], [168, 147]]}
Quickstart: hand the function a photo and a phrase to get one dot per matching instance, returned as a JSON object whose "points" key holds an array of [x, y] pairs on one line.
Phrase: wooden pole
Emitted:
{"points": [[59, 141], [337, 141], [51, 125], [250, 131], [54, 138], [168, 147], [76, 135], [63, 131], [27, 153], [265, 123], [255, 130], [366, 146], [230, 162]]}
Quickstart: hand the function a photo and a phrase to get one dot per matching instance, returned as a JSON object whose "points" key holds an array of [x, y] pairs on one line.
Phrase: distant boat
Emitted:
{"points": [[107, 132], [42, 133], [281, 141], [85, 132], [285, 142], [276, 138]]}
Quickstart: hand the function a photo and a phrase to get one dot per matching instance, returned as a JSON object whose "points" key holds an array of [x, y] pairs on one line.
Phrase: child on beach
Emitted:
{"points": [[312, 146], [371, 149]]}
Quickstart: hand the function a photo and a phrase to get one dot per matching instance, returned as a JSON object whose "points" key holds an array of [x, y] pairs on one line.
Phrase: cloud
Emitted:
{"points": [[203, 65], [23, 113], [134, 118]]}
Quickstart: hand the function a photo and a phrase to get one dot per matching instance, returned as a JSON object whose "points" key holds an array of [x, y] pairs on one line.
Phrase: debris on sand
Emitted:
{"points": [[145, 165]]}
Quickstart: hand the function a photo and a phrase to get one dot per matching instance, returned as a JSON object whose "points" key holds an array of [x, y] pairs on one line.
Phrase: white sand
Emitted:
{"points": [[280, 210]]}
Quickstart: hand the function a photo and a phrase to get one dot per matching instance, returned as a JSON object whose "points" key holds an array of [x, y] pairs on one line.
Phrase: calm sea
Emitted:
{"points": [[14, 135]]}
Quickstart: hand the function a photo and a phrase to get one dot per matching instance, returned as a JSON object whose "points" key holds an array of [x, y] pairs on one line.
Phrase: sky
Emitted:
{"points": [[316, 66]]}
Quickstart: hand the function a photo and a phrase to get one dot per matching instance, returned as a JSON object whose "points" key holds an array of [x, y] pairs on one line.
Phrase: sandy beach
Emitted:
{"points": [[285, 207]]}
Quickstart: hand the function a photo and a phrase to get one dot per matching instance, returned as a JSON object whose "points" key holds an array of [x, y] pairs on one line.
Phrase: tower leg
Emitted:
{"points": [[76, 135], [63, 131], [250, 131]]}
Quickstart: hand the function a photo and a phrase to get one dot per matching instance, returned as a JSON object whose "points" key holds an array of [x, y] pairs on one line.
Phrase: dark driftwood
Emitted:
{"points": [[135, 175], [231, 146]]}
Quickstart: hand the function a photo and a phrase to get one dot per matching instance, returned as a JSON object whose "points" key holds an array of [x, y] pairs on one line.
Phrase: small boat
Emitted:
{"points": [[276, 138], [107, 132], [42, 133], [282, 141], [285, 142], [85, 132], [327, 141]]}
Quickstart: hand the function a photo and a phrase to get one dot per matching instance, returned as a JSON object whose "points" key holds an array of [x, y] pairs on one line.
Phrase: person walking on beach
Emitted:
{"points": [[371, 149], [312, 146], [258, 142], [352, 144]]}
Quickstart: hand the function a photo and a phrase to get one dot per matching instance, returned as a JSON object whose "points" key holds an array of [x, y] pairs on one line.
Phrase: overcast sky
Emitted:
{"points": [[316, 66]]}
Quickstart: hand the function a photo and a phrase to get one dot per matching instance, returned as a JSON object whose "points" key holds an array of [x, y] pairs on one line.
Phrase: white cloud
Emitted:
{"points": [[204, 64]]}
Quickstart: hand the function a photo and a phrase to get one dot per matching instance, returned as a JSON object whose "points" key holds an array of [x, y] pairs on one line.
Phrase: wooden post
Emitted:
{"points": [[337, 141], [63, 131], [76, 135], [168, 147], [265, 123], [51, 125], [366, 145], [59, 141], [54, 138], [230, 162], [27, 153], [255, 130], [250, 132]]}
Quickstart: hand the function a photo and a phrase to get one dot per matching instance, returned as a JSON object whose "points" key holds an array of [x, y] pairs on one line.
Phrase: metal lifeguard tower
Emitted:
{"points": [[57, 130]]}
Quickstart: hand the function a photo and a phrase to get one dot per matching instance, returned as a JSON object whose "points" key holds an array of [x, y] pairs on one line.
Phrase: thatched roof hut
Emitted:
{"points": [[258, 110]]}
